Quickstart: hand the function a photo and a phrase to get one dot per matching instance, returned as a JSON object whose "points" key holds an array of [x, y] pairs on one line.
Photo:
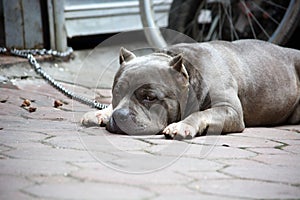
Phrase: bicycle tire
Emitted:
{"points": [[151, 30], [288, 25], [182, 12]]}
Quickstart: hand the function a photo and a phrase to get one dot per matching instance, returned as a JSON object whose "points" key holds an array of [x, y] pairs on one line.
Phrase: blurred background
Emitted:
{"points": [[83, 24]]}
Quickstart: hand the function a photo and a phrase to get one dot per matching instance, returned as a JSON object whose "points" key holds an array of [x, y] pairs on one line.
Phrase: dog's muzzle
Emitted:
{"points": [[118, 119]]}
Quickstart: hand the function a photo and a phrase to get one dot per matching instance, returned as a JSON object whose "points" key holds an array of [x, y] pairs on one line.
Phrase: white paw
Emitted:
{"points": [[179, 131], [97, 118]]}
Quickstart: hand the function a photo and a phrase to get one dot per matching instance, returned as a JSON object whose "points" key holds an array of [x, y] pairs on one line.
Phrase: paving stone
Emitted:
{"points": [[54, 178], [122, 143], [26, 146], [144, 160], [11, 187], [168, 148], [205, 175], [4, 148], [13, 123], [159, 140], [217, 152], [294, 128], [93, 131], [252, 189], [34, 167], [290, 142], [238, 162], [293, 149], [181, 192], [270, 133], [50, 114], [267, 150], [192, 196], [171, 190], [105, 142], [279, 174], [69, 141], [129, 162], [234, 140], [36, 125], [185, 165], [7, 109], [92, 165], [62, 134], [290, 160], [147, 180], [139, 162], [15, 138], [89, 190], [44, 152], [135, 165]]}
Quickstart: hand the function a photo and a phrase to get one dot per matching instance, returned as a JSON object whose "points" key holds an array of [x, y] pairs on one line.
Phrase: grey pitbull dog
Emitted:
{"points": [[187, 90]]}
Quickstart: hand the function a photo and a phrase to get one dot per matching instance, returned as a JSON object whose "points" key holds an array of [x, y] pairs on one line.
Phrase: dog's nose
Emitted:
{"points": [[121, 115], [118, 119]]}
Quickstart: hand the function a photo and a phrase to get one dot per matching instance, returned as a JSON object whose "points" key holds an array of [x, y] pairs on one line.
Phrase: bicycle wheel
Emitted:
{"points": [[152, 32], [270, 20]]}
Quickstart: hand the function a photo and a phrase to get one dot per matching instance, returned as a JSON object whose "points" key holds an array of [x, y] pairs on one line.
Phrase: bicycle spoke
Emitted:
{"points": [[221, 23], [249, 20], [200, 35], [274, 4], [231, 30], [231, 23], [189, 27], [249, 13], [261, 27], [212, 29], [265, 12]]}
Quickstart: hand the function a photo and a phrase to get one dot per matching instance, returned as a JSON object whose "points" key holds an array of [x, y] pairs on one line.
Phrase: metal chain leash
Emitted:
{"points": [[30, 53]]}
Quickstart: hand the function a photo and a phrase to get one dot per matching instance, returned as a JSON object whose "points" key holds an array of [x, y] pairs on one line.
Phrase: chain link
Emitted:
{"points": [[30, 53]]}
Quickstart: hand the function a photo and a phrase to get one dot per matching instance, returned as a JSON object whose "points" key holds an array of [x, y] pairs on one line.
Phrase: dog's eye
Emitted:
{"points": [[150, 97], [146, 96]]}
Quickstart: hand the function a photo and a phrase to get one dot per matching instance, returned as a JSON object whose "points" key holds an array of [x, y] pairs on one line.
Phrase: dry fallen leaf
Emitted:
{"points": [[31, 109], [57, 103], [26, 103]]}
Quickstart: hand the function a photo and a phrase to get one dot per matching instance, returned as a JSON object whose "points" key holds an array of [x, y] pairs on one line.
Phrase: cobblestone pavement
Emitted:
{"points": [[47, 154]]}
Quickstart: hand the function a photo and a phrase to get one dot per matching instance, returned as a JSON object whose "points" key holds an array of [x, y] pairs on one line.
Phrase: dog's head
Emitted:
{"points": [[149, 92]]}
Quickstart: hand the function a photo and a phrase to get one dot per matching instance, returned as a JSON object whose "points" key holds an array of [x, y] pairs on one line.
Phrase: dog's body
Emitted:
{"points": [[188, 89]]}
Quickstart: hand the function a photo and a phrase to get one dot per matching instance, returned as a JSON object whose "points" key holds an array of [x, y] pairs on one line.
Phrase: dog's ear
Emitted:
{"points": [[177, 64], [125, 55]]}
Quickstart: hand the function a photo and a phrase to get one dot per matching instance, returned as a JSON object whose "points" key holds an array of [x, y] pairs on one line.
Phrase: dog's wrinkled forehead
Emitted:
{"points": [[157, 60], [150, 69]]}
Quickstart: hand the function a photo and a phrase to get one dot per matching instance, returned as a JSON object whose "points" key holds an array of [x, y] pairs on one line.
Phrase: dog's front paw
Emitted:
{"points": [[96, 118], [91, 119], [179, 131]]}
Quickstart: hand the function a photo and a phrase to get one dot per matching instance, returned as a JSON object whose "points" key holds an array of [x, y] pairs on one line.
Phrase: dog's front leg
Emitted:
{"points": [[215, 120], [96, 118]]}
